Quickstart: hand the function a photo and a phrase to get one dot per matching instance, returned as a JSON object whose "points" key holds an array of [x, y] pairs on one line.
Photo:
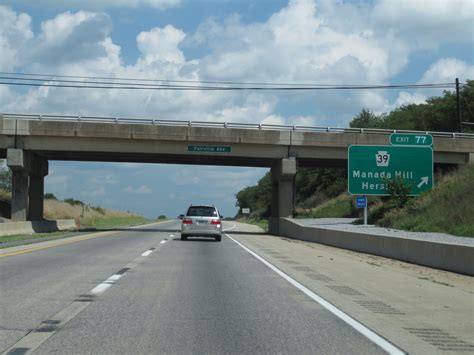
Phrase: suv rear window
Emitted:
{"points": [[202, 211]]}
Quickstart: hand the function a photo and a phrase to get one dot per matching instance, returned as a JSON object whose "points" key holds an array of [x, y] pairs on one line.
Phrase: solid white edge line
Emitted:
{"points": [[371, 335], [228, 229]]}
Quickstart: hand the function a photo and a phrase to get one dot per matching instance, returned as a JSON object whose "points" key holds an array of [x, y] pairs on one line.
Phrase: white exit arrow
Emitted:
{"points": [[424, 181]]}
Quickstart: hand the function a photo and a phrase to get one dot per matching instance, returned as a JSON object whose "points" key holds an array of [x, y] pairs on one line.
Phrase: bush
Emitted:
{"points": [[6, 180], [161, 216], [74, 202], [98, 209], [50, 196]]}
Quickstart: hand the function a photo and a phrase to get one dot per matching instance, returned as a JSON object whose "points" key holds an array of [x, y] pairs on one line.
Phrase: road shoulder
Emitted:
{"points": [[420, 309]]}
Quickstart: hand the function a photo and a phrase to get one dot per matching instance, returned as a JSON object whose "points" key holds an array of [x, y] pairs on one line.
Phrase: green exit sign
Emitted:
{"points": [[369, 166], [209, 149], [411, 139]]}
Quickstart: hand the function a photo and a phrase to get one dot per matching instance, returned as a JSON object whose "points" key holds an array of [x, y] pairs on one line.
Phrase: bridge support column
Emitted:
{"points": [[36, 198], [19, 203], [283, 191], [28, 172]]}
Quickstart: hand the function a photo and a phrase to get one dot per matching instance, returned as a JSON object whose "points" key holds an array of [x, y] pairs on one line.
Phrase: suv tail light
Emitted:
{"points": [[187, 221], [215, 221]]}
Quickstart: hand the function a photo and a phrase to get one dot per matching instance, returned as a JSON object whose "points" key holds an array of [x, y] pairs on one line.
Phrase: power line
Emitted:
{"points": [[127, 83], [99, 85], [160, 80], [216, 88]]}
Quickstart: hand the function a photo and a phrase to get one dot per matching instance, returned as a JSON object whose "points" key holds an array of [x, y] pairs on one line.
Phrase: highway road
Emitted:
{"points": [[145, 291]]}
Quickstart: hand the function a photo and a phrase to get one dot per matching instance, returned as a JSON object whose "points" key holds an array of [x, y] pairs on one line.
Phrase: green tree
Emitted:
{"points": [[437, 114], [258, 197], [365, 119], [6, 179]]}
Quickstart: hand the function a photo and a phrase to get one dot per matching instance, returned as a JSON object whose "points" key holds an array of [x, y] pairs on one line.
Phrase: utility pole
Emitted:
{"points": [[458, 105]]}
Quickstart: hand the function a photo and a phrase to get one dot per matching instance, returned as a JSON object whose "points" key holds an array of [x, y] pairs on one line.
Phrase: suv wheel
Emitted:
{"points": [[218, 238], [183, 237]]}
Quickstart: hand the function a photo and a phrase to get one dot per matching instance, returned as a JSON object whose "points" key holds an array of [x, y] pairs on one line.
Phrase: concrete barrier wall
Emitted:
{"points": [[28, 227], [444, 256]]}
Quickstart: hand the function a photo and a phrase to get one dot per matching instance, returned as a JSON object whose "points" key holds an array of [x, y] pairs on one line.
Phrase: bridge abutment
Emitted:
{"points": [[28, 172], [283, 191]]}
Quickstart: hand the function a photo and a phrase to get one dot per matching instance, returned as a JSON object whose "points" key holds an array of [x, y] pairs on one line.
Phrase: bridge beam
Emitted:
{"points": [[283, 192], [28, 172]]}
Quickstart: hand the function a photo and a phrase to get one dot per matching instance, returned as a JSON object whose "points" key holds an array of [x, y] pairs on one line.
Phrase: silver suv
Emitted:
{"points": [[201, 221]]}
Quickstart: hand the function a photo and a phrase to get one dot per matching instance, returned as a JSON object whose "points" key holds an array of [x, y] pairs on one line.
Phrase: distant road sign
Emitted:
{"points": [[209, 149], [245, 210], [369, 166], [361, 201], [411, 139]]}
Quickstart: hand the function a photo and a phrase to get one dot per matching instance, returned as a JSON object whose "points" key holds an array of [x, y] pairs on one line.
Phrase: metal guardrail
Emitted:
{"points": [[204, 124]]}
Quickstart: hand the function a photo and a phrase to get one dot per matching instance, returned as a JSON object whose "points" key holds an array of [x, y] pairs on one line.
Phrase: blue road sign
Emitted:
{"points": [[361, 201]]}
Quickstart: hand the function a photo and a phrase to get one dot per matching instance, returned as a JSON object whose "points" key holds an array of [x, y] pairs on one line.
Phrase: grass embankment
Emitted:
{"points": [[18, 237], [84, 215], [91, 217], [448, 208], [338, 207]]}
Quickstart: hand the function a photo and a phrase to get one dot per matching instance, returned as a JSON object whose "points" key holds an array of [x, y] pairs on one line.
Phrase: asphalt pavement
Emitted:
{"points": [[143, 290]]}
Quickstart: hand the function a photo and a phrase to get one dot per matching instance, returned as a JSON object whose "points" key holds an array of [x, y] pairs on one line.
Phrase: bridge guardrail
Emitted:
{"points": [[257, 126]]}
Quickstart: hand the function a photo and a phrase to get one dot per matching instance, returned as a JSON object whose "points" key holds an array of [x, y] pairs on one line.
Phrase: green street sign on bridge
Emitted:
{"points": [[411, 139], [209, 149], [370, 165]]}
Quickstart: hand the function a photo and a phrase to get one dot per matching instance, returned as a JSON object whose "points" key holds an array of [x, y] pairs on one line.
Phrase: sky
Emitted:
{"points": [[271, 41]]}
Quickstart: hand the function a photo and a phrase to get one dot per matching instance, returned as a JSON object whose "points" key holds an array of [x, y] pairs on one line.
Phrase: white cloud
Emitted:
{"points": [[427, 24], [305, 121], [442, 71], [306, 41], [71, 38], [447, 69], [15, 32], [161, 44], [406, 98], [143, 189]]}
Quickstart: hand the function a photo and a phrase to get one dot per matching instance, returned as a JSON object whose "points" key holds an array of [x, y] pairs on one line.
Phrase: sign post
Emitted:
{"points": [[370, 166], [246, 211], [361, 202]]}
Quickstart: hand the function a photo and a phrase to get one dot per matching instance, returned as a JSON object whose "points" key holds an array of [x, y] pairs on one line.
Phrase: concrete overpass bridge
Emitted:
{"points": [[28, 142]]}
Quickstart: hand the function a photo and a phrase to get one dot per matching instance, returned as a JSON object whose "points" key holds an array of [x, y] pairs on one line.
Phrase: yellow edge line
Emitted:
{"points": [[102, 234]]}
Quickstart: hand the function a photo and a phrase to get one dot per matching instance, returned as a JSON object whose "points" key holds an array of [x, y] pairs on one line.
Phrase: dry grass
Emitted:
{"points": [[88, 216], [83, 214], [61, 210]]}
